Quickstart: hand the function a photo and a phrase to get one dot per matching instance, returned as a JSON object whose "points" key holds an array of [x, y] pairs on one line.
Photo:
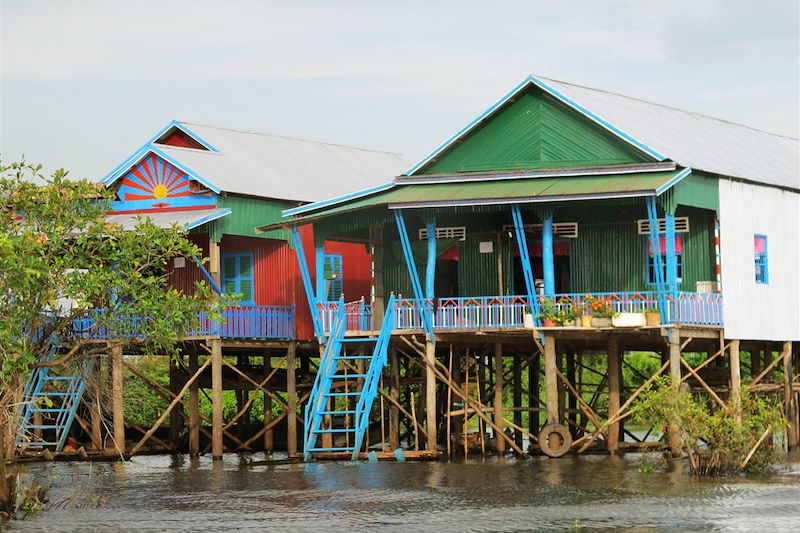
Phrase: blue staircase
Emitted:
{"points": [[327, 398], [56, 398]]}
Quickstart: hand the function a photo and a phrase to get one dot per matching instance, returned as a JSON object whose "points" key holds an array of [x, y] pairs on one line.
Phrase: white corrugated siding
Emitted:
{"points": [[753, 311]]}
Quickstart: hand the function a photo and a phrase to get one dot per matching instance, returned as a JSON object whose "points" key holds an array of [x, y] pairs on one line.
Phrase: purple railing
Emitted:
{"points": [[695, 308], [476, 313]]}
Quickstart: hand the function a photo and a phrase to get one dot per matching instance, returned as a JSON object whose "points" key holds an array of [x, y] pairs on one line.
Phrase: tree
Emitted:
{"points": [[62, 264]]}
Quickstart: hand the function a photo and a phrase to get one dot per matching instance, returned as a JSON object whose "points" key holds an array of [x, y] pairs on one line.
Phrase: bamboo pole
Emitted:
{"points": [[416, 423]]}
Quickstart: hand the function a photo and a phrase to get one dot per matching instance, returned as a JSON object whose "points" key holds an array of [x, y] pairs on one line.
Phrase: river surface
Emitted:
{"points": [[163, 493]]}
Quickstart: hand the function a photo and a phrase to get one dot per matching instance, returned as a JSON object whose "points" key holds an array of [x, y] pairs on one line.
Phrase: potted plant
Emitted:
{"points": [[568, 316], [628, 320], [652, 316], [601, 312], [584, 317], [547, 312]]}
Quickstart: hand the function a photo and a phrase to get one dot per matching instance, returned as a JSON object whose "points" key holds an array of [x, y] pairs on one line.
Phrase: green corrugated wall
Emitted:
{"points": [[246, 215], [535, 131]]}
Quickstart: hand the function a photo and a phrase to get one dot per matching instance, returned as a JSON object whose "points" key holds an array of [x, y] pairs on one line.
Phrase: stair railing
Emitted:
{"points": [[322, 383], [372, 380]]}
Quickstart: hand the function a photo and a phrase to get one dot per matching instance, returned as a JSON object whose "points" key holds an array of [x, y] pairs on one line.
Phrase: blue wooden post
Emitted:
{"points": [[427, 322], [525, 259], [322, 294], [547, 255], [672, 258], [430, 268], [306, 277], [655, 248]]}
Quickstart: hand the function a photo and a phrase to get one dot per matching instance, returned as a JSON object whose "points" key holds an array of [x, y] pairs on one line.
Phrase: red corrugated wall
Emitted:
{"points": [[277, 275]]}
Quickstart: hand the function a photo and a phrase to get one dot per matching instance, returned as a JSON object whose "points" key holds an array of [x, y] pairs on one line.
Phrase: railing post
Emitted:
{"points": [[547, 255], [430, 268]]}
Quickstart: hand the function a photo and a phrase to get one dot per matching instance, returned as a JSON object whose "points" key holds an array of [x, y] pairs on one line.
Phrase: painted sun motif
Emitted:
{"points": [[154, 178]]}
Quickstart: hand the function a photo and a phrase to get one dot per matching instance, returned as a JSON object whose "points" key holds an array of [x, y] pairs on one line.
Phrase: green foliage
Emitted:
{"points": [[61, 260], [717, 440]]}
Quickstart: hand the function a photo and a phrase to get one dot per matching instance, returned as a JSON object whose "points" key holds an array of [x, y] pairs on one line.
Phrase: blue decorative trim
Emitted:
{"points": [[141, 154], [208, 277], [524, 200], [333, 201], [548, 267], [525, 259], [674, 181], [569, 102], [430, 267], [186, 169], [197, 223]]}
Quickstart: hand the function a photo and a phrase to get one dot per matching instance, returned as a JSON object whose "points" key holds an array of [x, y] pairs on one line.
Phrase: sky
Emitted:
{"points": [[84, 84]]}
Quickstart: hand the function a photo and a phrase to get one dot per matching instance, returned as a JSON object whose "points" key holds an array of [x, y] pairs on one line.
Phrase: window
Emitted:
{"points": [[760, 252], [333, 275], [237, 276], [651, 260]]}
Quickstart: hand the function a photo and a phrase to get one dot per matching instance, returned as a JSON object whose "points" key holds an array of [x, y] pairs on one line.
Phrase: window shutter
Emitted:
{"points": [[229, 275]]}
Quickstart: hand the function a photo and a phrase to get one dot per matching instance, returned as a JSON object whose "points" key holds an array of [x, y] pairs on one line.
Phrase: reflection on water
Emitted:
{"points": [[178, 494]]}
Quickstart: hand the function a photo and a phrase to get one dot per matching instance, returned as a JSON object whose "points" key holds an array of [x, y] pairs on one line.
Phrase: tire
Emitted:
{"points": [[555, 440]]}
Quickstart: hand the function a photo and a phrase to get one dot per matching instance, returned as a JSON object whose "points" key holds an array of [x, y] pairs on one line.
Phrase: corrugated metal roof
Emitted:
{"points": [[184, 219], [696, 140], [510, 191], [690, 139], [271, 166]]}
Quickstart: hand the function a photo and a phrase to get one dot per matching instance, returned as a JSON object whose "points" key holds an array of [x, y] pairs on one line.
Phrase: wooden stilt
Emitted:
{"points": [[790, 407], [551, 378], [430, 395], [518, 399], [499, 442], [117, 399], [736, 380], [394, 393], [674, 433], [194, 410], [755, 362], [291, 398], [466, 395], [533, 394], [768, 362], [176, 415], [560, 355], [448, 435], [216, 400], [614, 393], [572, 401], [268, 436]]}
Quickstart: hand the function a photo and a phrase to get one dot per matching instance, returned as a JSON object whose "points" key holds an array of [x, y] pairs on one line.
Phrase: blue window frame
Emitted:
{"points": [[237, 276], [651, 260], [333, 275], [761, 259]]}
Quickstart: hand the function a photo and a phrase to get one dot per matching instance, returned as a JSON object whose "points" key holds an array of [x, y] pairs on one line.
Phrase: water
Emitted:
{"points": [[161, 493]]}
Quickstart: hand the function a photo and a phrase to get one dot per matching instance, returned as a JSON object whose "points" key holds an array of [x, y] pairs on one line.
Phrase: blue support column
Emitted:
{"points": [[672, 258], [655, 248], [306, 277], [548, 264], [430, 268], [525, 259], [427, 323], [322, 294]]}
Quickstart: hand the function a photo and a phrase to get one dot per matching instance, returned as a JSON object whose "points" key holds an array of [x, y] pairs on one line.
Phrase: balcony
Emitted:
{"points": [[250, 322], [498, 313]]}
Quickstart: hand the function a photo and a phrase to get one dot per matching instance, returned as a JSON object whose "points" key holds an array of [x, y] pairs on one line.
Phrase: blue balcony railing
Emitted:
{"points": [[250, 322], [359, 315]]}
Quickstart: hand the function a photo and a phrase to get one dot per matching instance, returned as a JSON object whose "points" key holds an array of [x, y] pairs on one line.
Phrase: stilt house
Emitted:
{"points": [[561, 200]]}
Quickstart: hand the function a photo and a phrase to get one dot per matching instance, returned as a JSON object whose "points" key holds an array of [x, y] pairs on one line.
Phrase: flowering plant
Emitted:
{"points": [[600, 308]]}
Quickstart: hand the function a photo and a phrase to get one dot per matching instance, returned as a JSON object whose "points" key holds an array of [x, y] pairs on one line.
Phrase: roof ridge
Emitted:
{"points": [[187, 123], [669, 107]]}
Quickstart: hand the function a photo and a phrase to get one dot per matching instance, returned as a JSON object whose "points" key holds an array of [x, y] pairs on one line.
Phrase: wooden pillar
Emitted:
{"points": [[572, 401], [561, 389], [194, 409], [755, 362], [96, 413], [614, 393], [533, 395], [736, 379], [118, 399], [499, 441], [517, 398], [674, 433], [176, 415], [550, 378], [430, 394], [394, 393], [291, 398], [268, 435], [216, 400], [768, 361], [789, 398]]}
